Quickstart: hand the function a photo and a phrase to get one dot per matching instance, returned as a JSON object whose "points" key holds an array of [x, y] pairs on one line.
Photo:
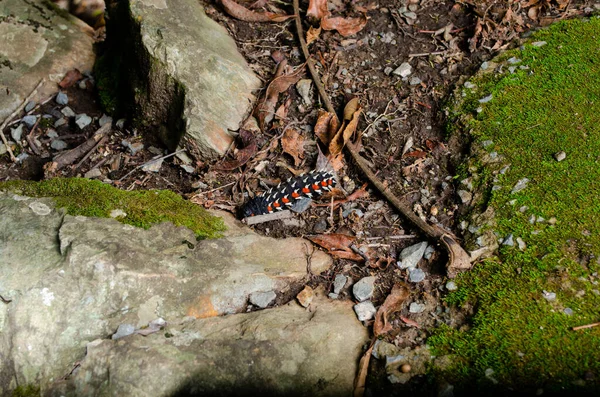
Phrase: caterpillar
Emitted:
{"points": [[284, 195]]}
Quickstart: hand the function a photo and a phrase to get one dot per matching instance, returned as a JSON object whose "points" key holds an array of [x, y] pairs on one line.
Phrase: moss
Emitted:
{"points": [[551, 106], [26, 391], [143, 208]]}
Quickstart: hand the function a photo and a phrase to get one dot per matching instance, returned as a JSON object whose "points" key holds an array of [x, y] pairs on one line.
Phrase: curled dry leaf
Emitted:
{"points": [[312, 34], [419, 154], [72, 77], [243, 155], [344, 134], [292, 143], [243, 14], [351, 256], [393, 302], [317, 9], [334, 241], [345, 26], [326, 127]]}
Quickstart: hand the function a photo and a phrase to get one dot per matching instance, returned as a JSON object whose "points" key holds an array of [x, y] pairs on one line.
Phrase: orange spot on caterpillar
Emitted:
{"points": [[305, 190], [315, 186], [276, 204], [269, 208], [285, 200], [295, 195]]}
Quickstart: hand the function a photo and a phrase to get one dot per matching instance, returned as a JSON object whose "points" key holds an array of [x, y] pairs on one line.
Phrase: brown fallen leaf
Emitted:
{"points": [[333, 241], [345, 26], [419, 154], [326, 127], [243, 14], [243, 155], [265, 109], [393, 302], [283, 109], [71, 77], [317, 9], [345, 132], [351, 256], [292, 143], [312, 34], [360, 382]]}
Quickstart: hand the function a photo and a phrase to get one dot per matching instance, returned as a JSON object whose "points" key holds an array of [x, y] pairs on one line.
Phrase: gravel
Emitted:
{"points": [[339, 282], [365, 310], [364, 288], [404, 70], [29, 120], [416, 276], [17, 133], [58, 144], [83, 120], [62, 98], [410, 256], [521, 184], [262, 299]]}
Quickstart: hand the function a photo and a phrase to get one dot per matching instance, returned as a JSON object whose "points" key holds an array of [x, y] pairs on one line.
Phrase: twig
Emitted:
{"points": [[92, 150], [215, 189], [12, 115], [151, 161], [30, 139], [586, 326], [253, 220], [69, 157], [5, 300]]}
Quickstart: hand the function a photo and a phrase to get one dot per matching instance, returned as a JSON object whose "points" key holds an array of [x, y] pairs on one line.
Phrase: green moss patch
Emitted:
{"points": [[547, 102], [143, 208]]}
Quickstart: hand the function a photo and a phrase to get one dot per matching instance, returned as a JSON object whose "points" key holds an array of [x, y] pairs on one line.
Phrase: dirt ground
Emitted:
{"points": [[403, 134]]}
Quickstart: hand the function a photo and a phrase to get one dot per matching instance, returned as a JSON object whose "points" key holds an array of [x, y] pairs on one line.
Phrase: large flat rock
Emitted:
{"points": [[187, 78], [286, 351], [38, 43], [75, 279]]}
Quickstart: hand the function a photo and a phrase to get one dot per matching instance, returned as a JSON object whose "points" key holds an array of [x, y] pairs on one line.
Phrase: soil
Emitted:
{"points": [[394, 113]]}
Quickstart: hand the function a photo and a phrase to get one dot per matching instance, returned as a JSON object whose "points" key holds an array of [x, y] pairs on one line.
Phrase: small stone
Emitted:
{"points": [[29, 106], [188, 168], [60, 122], [451, 286], [51, 133], [156, 151], [306, 296], [320, 226], [405, 368], [487, 143], [508, 241], [303, 87], [552, 221], [416, 276], [29, 120], [388, 70], [68, 112], [199, 185], [568, 311], [339, 282], [513, 60], [523, 209], [93, 173], [489, 374], [123, 330], [154, 166], [410, 15], [512, 69], [62, 98], [104, 120], [404, 70], [120, 124], [133, 147], [118, 213], [364, 288], [560, 156], [469, 85], [521, 184], [185, 159], [82, 120], [465, 196], [428, 252], [262, 299], [301, 205], [416, 307], [414, 80], [410, 256], [365, 310], [82, 85], [332, 295], [484, 65], [521, 244], [17, 133], [21, 157], [549, 296], [58, 144], [486, 99], [539, 43]]}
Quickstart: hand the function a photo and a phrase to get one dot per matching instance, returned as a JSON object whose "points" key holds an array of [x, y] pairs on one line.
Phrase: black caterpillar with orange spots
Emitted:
{"points": [[284, 195]]}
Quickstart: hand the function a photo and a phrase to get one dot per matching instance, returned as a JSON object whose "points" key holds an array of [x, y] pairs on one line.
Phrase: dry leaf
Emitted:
{"points": [[410, 322], [351, 256], [394, 300], [292, 143], [316, 9], [350, 108], [312, 34], [345, 26], [71, 77], [360, 382], [282, 110], [243, 155], [344, 134], [242, 13], [333, 241], [419, 154], [326, 127]]}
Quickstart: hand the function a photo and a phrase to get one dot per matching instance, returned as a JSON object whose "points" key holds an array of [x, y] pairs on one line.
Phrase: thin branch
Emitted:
{"points": [[12, 115], [150, 162], [586, 326]]}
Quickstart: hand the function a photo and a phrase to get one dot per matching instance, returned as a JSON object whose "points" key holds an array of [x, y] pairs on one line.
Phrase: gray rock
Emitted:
{"points": [[521, 244], [58, 144], [133, 147], [262, 299], [93, 173], [568, 311], [410, 256], [513, 60], [21, 157], [520, 185], [465, 196], [29, 106], [30, 120], [198, 71], [339, 282], [17, 133], [410, 15], [188, 168], [549, 296], [363, 289], [105, 120], [68, 112], [388, 70], [416, 307], [451, 286], [416, 275], [62, 98], [123, 331], [60, 122], [560, 156], [414, 80], [120, 124], [469, 85], [83, 120], [508, 240], [51, 133], [539, 43], [320, 226], [117, 213], [37, 46], [484, 65], [365, 310], [127, 275], [154, 166], [301, 205], [486, 99], [428, 252], [487, 143], [404, 70], [332, 295]]}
